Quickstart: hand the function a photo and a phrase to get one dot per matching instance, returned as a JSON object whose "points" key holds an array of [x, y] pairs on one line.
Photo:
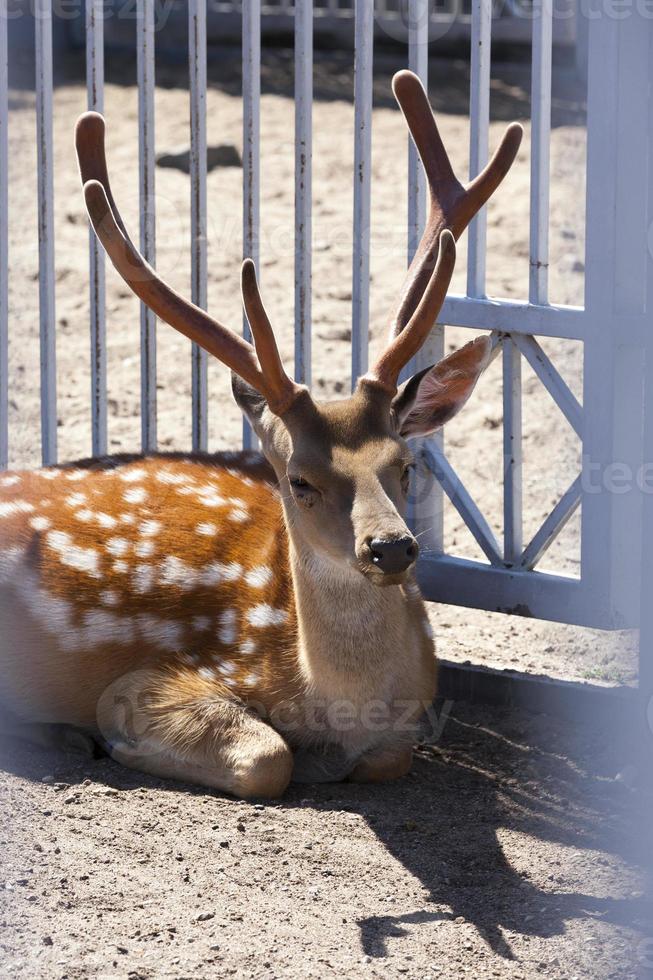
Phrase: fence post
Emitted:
{"points": [[615, 299], [646, 569]]}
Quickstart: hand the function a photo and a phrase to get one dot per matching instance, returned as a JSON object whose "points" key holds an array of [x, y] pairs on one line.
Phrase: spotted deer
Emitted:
{"points": [[237, 620]]}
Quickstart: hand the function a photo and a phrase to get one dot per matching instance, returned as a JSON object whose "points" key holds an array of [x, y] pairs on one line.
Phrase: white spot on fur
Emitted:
{"points": [[209, 498], [76, 475], [172, 479], [143, 580], [185, 491], [135, 495], [85, 515], [247, 647], [207, 529], [265, 615], [50, 474], [128, 518], [121, 567], [149, 528], [103, 627], [162, 632], [238, 515], [117, 546], [144, 548], [251, 679], [82, 559], [15, 507], [40, 523], [217, 572], [110, 598], [259, 576], [201, 623], [132, 476], [76, 499], [9, 481], [106, 520], [174, 571], [226, 668], [227, 626], [207, 673]]}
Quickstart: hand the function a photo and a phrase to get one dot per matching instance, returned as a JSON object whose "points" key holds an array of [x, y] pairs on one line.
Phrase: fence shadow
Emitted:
{"points": [[444, 823], [333, 78]]}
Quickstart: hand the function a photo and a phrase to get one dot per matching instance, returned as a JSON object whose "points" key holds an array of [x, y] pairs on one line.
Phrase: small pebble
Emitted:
{"points": [[204, 916]]}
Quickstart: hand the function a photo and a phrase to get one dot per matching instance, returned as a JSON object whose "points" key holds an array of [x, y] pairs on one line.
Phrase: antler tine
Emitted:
{"points": [[452, 205], [281, 389], [406, 343], [263, 374]]}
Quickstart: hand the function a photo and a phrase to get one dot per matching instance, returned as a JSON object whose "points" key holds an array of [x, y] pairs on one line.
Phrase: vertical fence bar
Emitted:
{"points": [[43, 39], [479, 112], [303, 185], [540, 136], [95, 101], [425, 504], [363, 40], [145, 72], [4, 246], [251, 151], [512, 453], [418, 62], [197, 87]]}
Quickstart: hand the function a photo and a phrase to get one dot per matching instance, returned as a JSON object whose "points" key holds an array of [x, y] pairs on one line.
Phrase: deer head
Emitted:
{"points": [[342, 466]]}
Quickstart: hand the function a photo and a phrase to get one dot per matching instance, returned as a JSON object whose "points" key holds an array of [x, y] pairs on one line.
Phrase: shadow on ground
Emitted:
{"points": [[486, 823], [333, 79]]}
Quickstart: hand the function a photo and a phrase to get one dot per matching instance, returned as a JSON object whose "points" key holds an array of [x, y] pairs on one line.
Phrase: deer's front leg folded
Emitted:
{"points": [[173, 727]]}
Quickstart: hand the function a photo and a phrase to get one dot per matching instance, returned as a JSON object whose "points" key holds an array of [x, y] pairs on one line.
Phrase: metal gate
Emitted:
{"points": [[612, 325]]}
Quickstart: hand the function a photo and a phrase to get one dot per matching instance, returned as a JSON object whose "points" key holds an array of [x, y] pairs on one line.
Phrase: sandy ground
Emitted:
{"points": [[511, 850]]}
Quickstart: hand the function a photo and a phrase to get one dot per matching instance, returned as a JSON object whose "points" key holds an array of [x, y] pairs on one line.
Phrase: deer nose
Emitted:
{"points": [[394, 556]]}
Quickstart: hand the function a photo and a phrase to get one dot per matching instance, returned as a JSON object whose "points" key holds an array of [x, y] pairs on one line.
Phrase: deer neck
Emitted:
{"points": [[349, 630]]}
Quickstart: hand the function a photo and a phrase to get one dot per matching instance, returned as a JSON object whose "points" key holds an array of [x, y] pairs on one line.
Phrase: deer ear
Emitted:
{"points": [[433, 396], [251, 402]]}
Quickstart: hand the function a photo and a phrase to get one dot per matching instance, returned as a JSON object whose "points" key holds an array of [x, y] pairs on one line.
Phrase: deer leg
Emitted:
{"points": [[183, 729], [383, 765]]}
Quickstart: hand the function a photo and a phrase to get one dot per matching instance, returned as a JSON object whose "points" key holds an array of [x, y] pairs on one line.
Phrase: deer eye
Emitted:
{"points": [[299, 483], [405, 477], [302, 491]]}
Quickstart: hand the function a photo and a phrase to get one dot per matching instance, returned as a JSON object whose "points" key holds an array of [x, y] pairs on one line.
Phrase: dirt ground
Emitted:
{"points": [[511, 850]]}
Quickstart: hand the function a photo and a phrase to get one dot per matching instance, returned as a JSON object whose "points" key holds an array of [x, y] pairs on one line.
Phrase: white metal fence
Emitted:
{"points": [[612, 324]]}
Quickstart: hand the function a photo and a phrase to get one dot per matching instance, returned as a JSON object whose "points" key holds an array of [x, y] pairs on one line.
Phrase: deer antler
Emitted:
{"points": [[264, 372], [452, 207]]}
